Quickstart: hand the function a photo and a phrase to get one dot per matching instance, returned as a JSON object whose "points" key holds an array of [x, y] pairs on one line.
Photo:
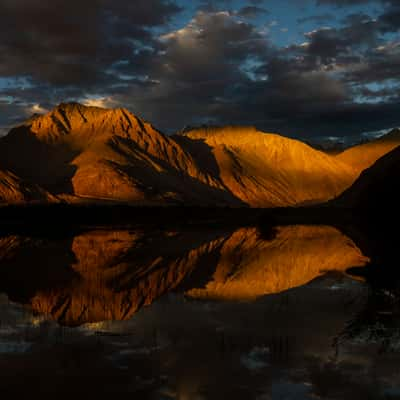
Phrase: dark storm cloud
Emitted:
{"points": [[219, 67], [357, 51], [196, 67], [202, 79], [380, 68], [390, 20], [360, 30], [73, 42], [302, 89]]}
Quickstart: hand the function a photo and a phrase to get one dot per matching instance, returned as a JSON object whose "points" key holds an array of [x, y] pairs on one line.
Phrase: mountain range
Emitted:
{"points": [[88, 154]]}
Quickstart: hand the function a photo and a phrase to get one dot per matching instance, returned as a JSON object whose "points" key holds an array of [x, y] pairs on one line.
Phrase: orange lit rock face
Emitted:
{"points": [[268, 170], [107, 154], [250, 267], [103, 275], [364, 156], [83, 153], [86, 153]]}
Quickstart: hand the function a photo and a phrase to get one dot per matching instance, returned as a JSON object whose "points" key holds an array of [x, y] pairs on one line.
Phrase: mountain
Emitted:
{"points": [[14, 190], [377, 187], [89, 152], [364, 155], [81, 153], [268, 170]]}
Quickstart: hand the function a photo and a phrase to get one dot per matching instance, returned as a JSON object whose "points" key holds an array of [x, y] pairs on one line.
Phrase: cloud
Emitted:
{"points": [[196, 66], [219, 67], [74, 42], [102, 102], [251, 12], [390, 20]]}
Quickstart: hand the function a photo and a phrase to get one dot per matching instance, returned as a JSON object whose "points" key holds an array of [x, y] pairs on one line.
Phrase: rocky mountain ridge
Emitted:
{"points": [[76, 153]]}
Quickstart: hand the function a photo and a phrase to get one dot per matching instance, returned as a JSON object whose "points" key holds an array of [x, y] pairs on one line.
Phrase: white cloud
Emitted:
{"points": [[37, 109], [101, 102]]}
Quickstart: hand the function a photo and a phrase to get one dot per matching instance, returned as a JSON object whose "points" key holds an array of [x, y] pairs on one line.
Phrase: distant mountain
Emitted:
{"points": [[377, 187], [364, 155], [268, 170], [81, 153]]}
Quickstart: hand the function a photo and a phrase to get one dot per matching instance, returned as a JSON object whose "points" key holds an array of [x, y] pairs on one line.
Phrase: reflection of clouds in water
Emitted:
{"points": [[256, 359], [293, 391], [14, 347]]}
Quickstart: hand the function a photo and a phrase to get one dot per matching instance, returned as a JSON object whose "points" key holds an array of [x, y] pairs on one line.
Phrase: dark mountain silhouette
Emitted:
{"points": [[377, 187]]}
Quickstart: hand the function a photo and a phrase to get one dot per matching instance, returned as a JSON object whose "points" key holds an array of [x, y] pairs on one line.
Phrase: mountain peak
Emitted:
{"points": [[85, 122], [75, 107]]}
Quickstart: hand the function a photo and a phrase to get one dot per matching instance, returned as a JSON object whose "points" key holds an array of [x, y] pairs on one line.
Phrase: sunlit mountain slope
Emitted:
{"points": [[364, 155], [107, 154], [81, 153], [268, 170]]}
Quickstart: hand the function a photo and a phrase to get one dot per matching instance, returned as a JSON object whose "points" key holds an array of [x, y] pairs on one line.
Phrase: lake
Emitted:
{"points": [[196, 313]]}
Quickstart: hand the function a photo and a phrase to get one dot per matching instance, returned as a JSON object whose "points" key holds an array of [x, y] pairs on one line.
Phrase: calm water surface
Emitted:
{"points": [[202, 314]]}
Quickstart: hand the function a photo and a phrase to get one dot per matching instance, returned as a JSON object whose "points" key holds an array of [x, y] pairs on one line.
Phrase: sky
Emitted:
{"points": [[302, 68]]}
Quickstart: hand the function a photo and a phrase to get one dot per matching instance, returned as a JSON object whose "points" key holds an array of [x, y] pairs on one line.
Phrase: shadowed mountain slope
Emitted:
{"points": [[377, 187], [13, 190]]}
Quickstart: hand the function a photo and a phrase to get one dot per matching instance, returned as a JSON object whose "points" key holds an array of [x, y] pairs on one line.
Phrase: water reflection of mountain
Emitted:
{"points": [[110, 275], [250, 267]]}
